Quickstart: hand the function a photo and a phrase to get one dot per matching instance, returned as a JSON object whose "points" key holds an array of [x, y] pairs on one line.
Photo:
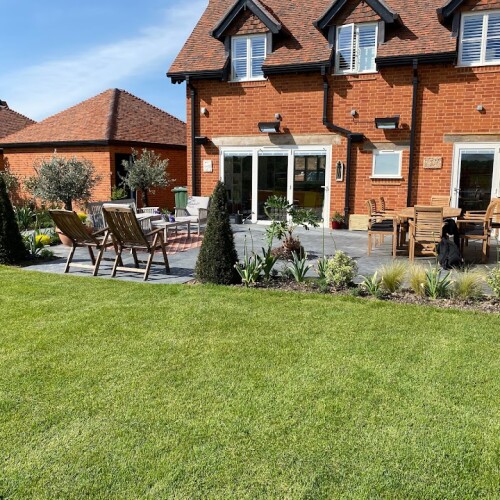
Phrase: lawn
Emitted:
{"points": [[124, 390]]}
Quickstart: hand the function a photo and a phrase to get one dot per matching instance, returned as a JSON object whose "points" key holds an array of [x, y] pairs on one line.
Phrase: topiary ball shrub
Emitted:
{"points": [[218, 255], [12, 249], [340, 270]]}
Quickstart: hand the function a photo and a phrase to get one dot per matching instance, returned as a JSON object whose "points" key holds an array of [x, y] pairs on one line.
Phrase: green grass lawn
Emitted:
{"points": [[123, 390]]}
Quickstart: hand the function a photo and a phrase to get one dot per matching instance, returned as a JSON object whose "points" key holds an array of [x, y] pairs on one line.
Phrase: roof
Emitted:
{"points": [[12, 121], [114, 116], [418, 31]]}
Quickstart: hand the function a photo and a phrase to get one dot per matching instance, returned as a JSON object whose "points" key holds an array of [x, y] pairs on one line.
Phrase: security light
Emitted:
{"points": [[387, 123], [269, 127]]}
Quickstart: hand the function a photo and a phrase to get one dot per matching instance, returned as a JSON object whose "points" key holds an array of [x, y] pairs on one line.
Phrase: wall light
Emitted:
{"points": [[387, 123], [269, 127], [203, 111]]}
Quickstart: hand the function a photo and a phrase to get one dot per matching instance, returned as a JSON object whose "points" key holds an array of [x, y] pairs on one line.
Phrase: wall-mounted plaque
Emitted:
{"points": [[433, 162], [208, 166]]}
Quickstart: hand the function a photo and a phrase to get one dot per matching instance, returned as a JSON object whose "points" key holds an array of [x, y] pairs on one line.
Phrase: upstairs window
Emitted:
{"points": [[480, 39], [247, 57], [356, 48]]}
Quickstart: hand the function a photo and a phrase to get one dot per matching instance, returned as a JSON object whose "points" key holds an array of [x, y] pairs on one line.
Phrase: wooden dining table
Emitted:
{"points": [[448, 212]]}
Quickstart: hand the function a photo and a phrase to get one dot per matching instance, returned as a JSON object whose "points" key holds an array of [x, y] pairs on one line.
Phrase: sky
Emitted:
{"points": [[57, 53]]}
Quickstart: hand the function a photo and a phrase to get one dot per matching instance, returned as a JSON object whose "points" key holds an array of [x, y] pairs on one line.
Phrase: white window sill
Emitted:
{"points": [[263, 79], [355, 73], [389, 177]]}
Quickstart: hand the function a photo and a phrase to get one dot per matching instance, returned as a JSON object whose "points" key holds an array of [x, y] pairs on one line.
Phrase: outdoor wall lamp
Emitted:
{"points": [[269, 127], [387, 123], [203, 111], [201, 139]]}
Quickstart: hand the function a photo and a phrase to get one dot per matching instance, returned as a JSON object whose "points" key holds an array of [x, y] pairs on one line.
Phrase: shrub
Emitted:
{"points": [[437, 286], [61, 179], [392, 276], [340, 270], [321, 269], [217, 255], [145, 172], [83, 217], [416, 279], [493, 280], [372, 285], [298, 268], [467, 284], [25, 217], [11, 181], [12, 250], [42, 239], [267, 262]]}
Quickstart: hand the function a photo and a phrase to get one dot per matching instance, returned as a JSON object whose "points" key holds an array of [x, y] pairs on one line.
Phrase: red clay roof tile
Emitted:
{"points": [[12, 121]]}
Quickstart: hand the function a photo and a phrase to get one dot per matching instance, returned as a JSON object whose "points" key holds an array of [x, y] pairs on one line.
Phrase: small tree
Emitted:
{"points": [[145, 172], [217, 258], [61, 179], [12, 249], [11, 181]]}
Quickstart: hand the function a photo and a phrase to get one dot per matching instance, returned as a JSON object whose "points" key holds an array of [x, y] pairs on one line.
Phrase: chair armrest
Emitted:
{"points": [[153, 232], [101, 231], [180, 212], [202, 213]]}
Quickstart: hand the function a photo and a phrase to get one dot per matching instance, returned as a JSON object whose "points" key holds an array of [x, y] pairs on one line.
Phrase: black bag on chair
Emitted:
{"points": [[449, 254]]}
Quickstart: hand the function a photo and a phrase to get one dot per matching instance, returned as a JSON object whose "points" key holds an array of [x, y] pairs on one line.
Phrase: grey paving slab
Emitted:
{"points": [[315, 241]]}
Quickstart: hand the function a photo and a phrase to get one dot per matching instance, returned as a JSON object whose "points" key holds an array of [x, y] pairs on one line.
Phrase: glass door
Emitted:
{"points": [[272, 178], [238, 181], [309, 181], [475, 183]]}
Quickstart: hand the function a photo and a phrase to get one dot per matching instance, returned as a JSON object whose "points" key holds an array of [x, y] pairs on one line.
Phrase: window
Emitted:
{"points": [[356, 48], [480, 39], [247, 55], [386, 164]]}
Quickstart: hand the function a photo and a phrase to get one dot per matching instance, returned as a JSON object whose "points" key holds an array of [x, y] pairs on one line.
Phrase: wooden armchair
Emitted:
{"points": [[196, 211], [380, 225], [426, 230], [440, 201], [478, 225], [128, 234], [383, 207], [70, 225]]}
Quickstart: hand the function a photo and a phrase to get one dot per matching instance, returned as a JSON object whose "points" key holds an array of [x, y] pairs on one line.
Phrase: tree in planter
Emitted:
{"points": [[145, 172], [61, 179], [217, 258], [12, 249]]}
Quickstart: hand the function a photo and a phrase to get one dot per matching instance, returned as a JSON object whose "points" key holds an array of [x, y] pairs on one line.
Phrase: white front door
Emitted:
{"points": [[476, 175]]}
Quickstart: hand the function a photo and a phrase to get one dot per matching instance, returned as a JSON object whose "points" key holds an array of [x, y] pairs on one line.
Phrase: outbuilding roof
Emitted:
{"points": [[11, 121], [114, 116]]}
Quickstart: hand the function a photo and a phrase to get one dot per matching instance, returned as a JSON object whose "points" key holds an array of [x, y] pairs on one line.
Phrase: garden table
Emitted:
{"points": [[448, 212]]}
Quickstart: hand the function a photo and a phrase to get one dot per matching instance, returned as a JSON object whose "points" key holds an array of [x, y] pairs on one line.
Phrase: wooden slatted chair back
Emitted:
{"points": [[383, 206], [372, 206], [440, 201], [428, 223], [495, 214], [124, 226], [70, 224]]}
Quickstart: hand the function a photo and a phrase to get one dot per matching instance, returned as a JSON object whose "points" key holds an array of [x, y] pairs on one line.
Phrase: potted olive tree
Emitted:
{"points": [[337, 220]]}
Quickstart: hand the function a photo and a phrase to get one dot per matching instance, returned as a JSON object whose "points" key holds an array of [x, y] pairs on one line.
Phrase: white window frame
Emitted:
{"points": [[381, 152], [485, 15], [356, 49], [249, 56]]}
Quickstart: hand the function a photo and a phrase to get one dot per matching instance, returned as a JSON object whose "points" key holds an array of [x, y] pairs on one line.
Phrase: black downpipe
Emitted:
{"points": [[351, 137], [413, 132], [193, 138]]}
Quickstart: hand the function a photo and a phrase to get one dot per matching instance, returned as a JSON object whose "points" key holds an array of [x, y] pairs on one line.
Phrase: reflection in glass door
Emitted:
{"points": [[475, 178], [309, 181], [238, 181], [272, 179]]}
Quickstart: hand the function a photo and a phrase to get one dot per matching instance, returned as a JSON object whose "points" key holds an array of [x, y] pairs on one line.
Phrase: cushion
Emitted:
{"points": [[195, 203]]}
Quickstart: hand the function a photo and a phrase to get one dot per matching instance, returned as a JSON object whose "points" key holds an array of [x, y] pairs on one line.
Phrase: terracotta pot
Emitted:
{"points": [[67, 241], [336, 224]]}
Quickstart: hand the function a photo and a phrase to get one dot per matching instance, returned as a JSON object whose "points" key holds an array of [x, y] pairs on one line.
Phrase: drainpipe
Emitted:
{"points": [[413, 132], [193, 136], [351, 137]]}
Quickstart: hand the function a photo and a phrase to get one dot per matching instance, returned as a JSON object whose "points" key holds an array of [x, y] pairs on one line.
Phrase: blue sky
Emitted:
{"points": [[56, 53]]}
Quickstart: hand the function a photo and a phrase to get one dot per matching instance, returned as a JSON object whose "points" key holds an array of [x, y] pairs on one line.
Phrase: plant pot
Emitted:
{"points": [[336, 224], [67, 241]]}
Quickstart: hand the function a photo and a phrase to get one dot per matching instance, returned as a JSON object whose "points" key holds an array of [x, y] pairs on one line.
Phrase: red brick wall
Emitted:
{"points": [[447, 101]]}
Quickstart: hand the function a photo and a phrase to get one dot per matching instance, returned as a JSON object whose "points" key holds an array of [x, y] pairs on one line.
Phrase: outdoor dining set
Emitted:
{"points": [[426, 225], [121, 226]]}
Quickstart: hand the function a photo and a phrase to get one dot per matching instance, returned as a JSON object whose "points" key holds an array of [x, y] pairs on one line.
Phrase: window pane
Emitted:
{"points": [[471, 52], [240, 48], [367, 44], [493, 25], [386, 164], [492, 50], [493, 42], [258, 55], [239, 68], [344, 51], [473, 27]]}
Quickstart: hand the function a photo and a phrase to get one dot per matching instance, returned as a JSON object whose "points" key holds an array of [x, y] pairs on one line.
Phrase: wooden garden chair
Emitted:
{"points": [[128, 234], [70, 225], [426, 229], [440, 201], [380, 225]]}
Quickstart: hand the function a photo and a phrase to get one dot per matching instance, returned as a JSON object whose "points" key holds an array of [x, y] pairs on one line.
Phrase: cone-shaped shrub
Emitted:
{"points": [[217, 253], [12, 249]]}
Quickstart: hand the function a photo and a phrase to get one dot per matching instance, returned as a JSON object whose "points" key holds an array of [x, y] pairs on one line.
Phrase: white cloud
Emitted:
{"points": [[44, 89]]}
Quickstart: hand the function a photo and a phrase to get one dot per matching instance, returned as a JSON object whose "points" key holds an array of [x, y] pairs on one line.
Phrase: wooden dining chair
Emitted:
{"points": [[127, 233], [383, 206], [479, 226], [440, 201], [71, 226], [425, 230], [380, 225]]}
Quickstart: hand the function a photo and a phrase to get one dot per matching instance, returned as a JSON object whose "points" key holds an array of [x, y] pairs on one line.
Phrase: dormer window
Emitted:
{"points": [[356, 48], [247, 57], [480, 39]]}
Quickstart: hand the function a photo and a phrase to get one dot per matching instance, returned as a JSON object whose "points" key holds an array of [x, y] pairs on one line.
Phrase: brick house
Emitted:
{"points": [[104, 129], [11, 122], [332, 103]]}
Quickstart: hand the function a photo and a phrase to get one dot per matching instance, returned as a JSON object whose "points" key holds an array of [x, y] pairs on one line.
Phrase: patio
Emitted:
{"points": [[182, 263]]}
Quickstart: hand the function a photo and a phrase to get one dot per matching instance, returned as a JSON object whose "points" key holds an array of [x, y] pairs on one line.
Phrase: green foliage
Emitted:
{"points": [[467, 284], [11, 181], [372, 284], [493, 280], [340, 270], [416, 279], [249, 269], [145, 172], [337, 217], [437, 286], [267, 261], [61, 179], [218, 255], [298, 268], [118, 193], [25, 217], [321, 267], [392, 276], [12, 250]]}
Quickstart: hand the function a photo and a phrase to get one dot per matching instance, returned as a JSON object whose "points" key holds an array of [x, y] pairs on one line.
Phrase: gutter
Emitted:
{"points": [[413, 132], [193, 136], [351, 137]]}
